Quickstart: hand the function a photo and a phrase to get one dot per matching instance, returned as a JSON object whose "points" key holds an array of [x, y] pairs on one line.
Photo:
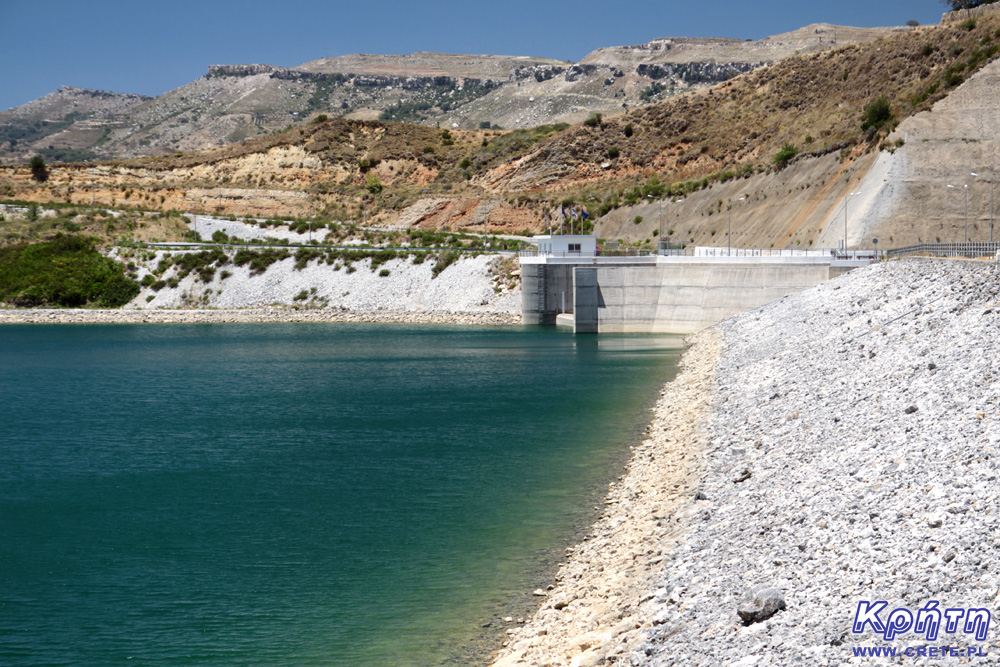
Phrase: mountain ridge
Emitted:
{"points": [[231, 103]]}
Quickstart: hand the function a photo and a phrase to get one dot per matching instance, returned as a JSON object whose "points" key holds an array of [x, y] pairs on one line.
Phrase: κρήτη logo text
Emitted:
{"points": [[928, 621]]}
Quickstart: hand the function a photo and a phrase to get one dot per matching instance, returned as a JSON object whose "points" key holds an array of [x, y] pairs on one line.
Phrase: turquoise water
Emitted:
{"points": [[296, 494]]}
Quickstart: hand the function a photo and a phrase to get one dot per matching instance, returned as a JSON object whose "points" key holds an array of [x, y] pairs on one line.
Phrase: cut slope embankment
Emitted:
{"points": [[850, 454]]}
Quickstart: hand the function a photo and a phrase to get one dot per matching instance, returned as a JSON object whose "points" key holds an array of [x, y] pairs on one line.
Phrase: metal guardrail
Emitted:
{"points": [[588, 255], [973, 249]]}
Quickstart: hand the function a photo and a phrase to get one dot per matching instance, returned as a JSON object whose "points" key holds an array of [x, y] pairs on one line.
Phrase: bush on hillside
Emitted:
{"points": [[785, 155], [877, 113], [39, 171], [65, 272]]}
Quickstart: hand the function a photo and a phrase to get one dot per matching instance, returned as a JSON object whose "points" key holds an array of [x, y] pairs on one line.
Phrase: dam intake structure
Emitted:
{"points": [[666, 293]]}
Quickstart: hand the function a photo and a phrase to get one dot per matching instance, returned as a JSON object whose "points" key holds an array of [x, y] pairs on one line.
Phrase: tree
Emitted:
{"points": [[39, 171], [877, 114]]}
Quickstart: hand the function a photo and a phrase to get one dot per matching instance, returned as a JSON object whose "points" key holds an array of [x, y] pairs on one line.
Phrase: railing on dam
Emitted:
{"points": [[703, 251], [974, 249], [587, 255]]}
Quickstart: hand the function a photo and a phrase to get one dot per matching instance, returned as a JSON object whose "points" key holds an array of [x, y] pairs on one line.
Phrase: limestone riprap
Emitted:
{"points": [[850, 453]]}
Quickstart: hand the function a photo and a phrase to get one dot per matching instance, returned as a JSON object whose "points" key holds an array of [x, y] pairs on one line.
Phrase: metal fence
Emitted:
{"points": [[976, 249], [604, 252]]}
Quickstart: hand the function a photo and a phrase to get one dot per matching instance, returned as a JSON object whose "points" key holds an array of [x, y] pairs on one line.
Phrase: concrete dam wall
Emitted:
{"points": [[681, 296]]}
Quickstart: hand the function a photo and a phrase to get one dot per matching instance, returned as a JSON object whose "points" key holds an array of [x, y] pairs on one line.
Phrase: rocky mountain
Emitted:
{"points": [[232, 103], [788, 142], [68, 125]]}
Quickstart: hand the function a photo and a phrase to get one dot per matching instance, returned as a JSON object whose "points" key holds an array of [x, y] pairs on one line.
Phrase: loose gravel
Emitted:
{"points": [[850, 454]]}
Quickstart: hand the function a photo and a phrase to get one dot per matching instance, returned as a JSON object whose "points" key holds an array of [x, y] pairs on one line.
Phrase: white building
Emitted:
{"points": [[566, 246]]}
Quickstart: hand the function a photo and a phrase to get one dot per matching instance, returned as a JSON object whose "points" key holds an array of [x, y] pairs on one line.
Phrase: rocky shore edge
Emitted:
{"points": [[252, 315], [828, 450], [598, 609]]}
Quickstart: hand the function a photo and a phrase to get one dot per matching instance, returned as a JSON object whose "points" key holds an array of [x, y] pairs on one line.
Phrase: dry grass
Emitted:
{"points": [[813, 102]]}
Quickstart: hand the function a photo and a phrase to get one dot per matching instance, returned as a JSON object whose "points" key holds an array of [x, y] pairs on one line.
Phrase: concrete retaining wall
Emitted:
{"points": [[546, 291], [683, 298]]}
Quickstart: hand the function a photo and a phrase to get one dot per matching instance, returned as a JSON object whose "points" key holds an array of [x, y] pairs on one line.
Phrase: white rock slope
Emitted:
{"points": [[845, 451], [853, 455]]}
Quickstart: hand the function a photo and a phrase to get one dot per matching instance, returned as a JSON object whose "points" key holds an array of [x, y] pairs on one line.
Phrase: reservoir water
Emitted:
{"points": [[297, 494]]}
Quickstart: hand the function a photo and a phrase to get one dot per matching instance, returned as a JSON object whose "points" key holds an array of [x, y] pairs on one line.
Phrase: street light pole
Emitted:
{"points": [[845, 218], [991, 204], [966, 188], [659, 220], [729, 236]]}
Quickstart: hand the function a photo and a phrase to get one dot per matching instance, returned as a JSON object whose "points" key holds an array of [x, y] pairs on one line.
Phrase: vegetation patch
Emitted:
{"points": [[259, 260], [67, 272]]}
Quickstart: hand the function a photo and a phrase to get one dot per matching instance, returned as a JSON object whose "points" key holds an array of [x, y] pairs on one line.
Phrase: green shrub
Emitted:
{"points": [[259, 260], [593, 120], [613, 152], [637, 219], [445, 260], [628, 131], [67, 271], [384, 272], [877, 113], [39, 171], [785, 155]]}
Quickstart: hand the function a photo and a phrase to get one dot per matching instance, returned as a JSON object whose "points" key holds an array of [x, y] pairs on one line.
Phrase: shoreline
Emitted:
{"points": [[597, 608], [825, 434], [252, 316]]}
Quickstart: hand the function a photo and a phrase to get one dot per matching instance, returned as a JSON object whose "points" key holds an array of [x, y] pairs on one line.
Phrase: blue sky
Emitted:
{"points": [[152, 47]]}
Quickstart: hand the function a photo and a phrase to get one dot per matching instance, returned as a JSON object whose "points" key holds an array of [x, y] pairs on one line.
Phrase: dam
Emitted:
{"points": [[569, 280]]}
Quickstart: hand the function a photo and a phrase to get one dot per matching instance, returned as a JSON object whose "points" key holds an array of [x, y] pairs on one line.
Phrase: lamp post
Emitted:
{"points": [[729, 236], [845, 218], [659, 219], [966, 188], [991, 204]]}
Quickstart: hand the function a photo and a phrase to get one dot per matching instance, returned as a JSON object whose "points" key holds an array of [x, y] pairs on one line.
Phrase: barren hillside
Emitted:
{"points": [[706, 147], [234, 102]]}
